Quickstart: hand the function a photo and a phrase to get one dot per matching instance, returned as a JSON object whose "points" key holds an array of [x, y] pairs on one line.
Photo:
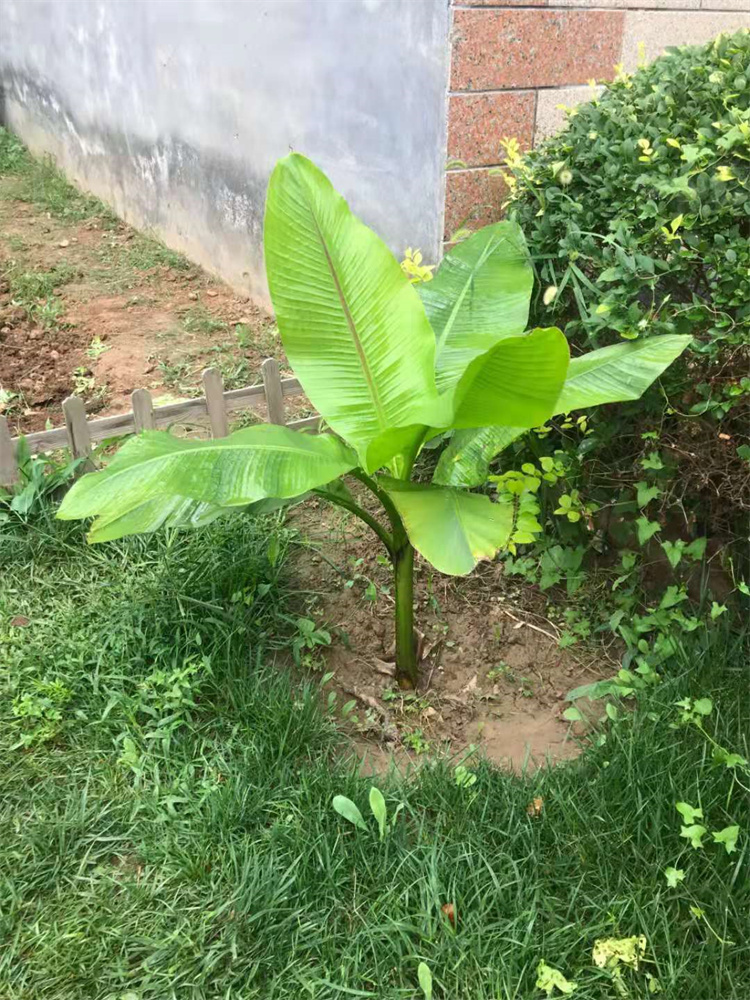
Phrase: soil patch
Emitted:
{"points": [[96, 308], [492, 674]]}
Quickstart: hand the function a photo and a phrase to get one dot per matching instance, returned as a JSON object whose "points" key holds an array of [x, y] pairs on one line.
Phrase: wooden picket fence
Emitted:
{"points": [[80, 434]]}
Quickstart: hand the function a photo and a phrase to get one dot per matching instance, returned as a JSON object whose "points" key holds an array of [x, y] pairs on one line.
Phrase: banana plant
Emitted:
{"points": [[388, 367]]}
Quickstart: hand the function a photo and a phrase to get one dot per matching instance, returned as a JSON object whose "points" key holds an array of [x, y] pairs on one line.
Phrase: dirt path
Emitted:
{"points": [[91, 306]]}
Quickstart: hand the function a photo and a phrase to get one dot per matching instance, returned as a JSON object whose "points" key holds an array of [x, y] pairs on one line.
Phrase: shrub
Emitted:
{"points": [[638, 219]]}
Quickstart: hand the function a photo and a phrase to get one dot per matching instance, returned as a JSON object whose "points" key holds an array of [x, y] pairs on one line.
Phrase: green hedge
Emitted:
{"points": [[638, 219]]}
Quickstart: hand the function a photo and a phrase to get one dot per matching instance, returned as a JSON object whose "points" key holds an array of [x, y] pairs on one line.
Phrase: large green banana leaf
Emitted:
{"points": [[452, 529], [153, 471], [620, 372], [608, 375], [162, 511], [353, 327], [466, 459], [516, 382], [480, 293]]}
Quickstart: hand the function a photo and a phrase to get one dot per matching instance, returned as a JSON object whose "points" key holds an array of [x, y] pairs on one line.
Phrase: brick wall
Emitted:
{"points": [[514, 61]]}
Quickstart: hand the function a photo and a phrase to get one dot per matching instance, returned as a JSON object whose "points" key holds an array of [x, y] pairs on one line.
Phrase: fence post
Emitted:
{"points": [[8, 464], [274, 392], [143, 410], [213, 390], [78, 430]]}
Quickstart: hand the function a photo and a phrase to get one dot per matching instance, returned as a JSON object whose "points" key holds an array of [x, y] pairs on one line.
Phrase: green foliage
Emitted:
{"points": [[39, 182], [636, 218], [646, 237], [41, 479], [212, 862], [551, 980], [360, 340]]}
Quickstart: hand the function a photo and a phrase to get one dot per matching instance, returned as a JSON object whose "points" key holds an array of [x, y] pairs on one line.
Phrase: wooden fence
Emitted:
{"points": [[79, 434]]}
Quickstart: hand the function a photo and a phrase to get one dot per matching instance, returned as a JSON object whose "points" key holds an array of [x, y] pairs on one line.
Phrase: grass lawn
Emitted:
{"points": [[167, 828]]}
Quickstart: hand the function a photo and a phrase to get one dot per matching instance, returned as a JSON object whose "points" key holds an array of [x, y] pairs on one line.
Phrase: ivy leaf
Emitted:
{"points": [[689, 813], [703, 706], [696, 549], [550, 979], [743, 588], [646, 529], [728, 837], [695, 834], [717, 610], [673, 876], [730, 760], [645, 493], [672, 596], [652, 461], [673, 552]]}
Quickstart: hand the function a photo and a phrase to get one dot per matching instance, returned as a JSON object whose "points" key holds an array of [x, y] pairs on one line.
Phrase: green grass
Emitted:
{"points": [[29, 286], [38, 181], [166, 822], [146, 252], [199, 319]]}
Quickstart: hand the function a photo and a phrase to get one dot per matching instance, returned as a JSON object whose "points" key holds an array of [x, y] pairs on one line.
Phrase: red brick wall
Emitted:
{"points": [[513, 62]]}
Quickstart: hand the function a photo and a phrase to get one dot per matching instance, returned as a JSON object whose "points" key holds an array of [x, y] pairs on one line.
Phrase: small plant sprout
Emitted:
{"points": [[96, 348], [379, 810], [425, 980], [346, 808], [464, 777], [390, 365]]}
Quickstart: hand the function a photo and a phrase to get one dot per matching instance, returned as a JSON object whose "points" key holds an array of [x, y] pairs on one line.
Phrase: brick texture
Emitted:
{"points": [[495, 49], [477, 123], [473, 198], [502, 3]]}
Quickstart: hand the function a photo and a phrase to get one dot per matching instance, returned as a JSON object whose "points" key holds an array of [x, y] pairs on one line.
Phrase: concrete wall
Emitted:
{"points": [[174, 111], [515, 61]]}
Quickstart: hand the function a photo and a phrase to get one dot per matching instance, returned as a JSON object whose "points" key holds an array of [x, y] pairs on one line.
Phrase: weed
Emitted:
{"points": [[307, 642], [501, 672], [41, 479], [198, 319], [96, 348], [145, 252], [415, 740], [38, 713], [27, 287]]}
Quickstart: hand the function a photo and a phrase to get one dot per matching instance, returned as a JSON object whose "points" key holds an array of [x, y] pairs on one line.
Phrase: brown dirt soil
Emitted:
{"points": [[492, 675], [121, 319]]}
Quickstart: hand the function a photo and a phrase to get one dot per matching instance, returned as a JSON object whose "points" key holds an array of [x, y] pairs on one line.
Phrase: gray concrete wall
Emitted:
{"points": [[174, 111]]}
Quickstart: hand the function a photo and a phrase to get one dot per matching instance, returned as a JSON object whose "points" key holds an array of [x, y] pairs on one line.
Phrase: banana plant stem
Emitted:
{"points": [[406, 648]]}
